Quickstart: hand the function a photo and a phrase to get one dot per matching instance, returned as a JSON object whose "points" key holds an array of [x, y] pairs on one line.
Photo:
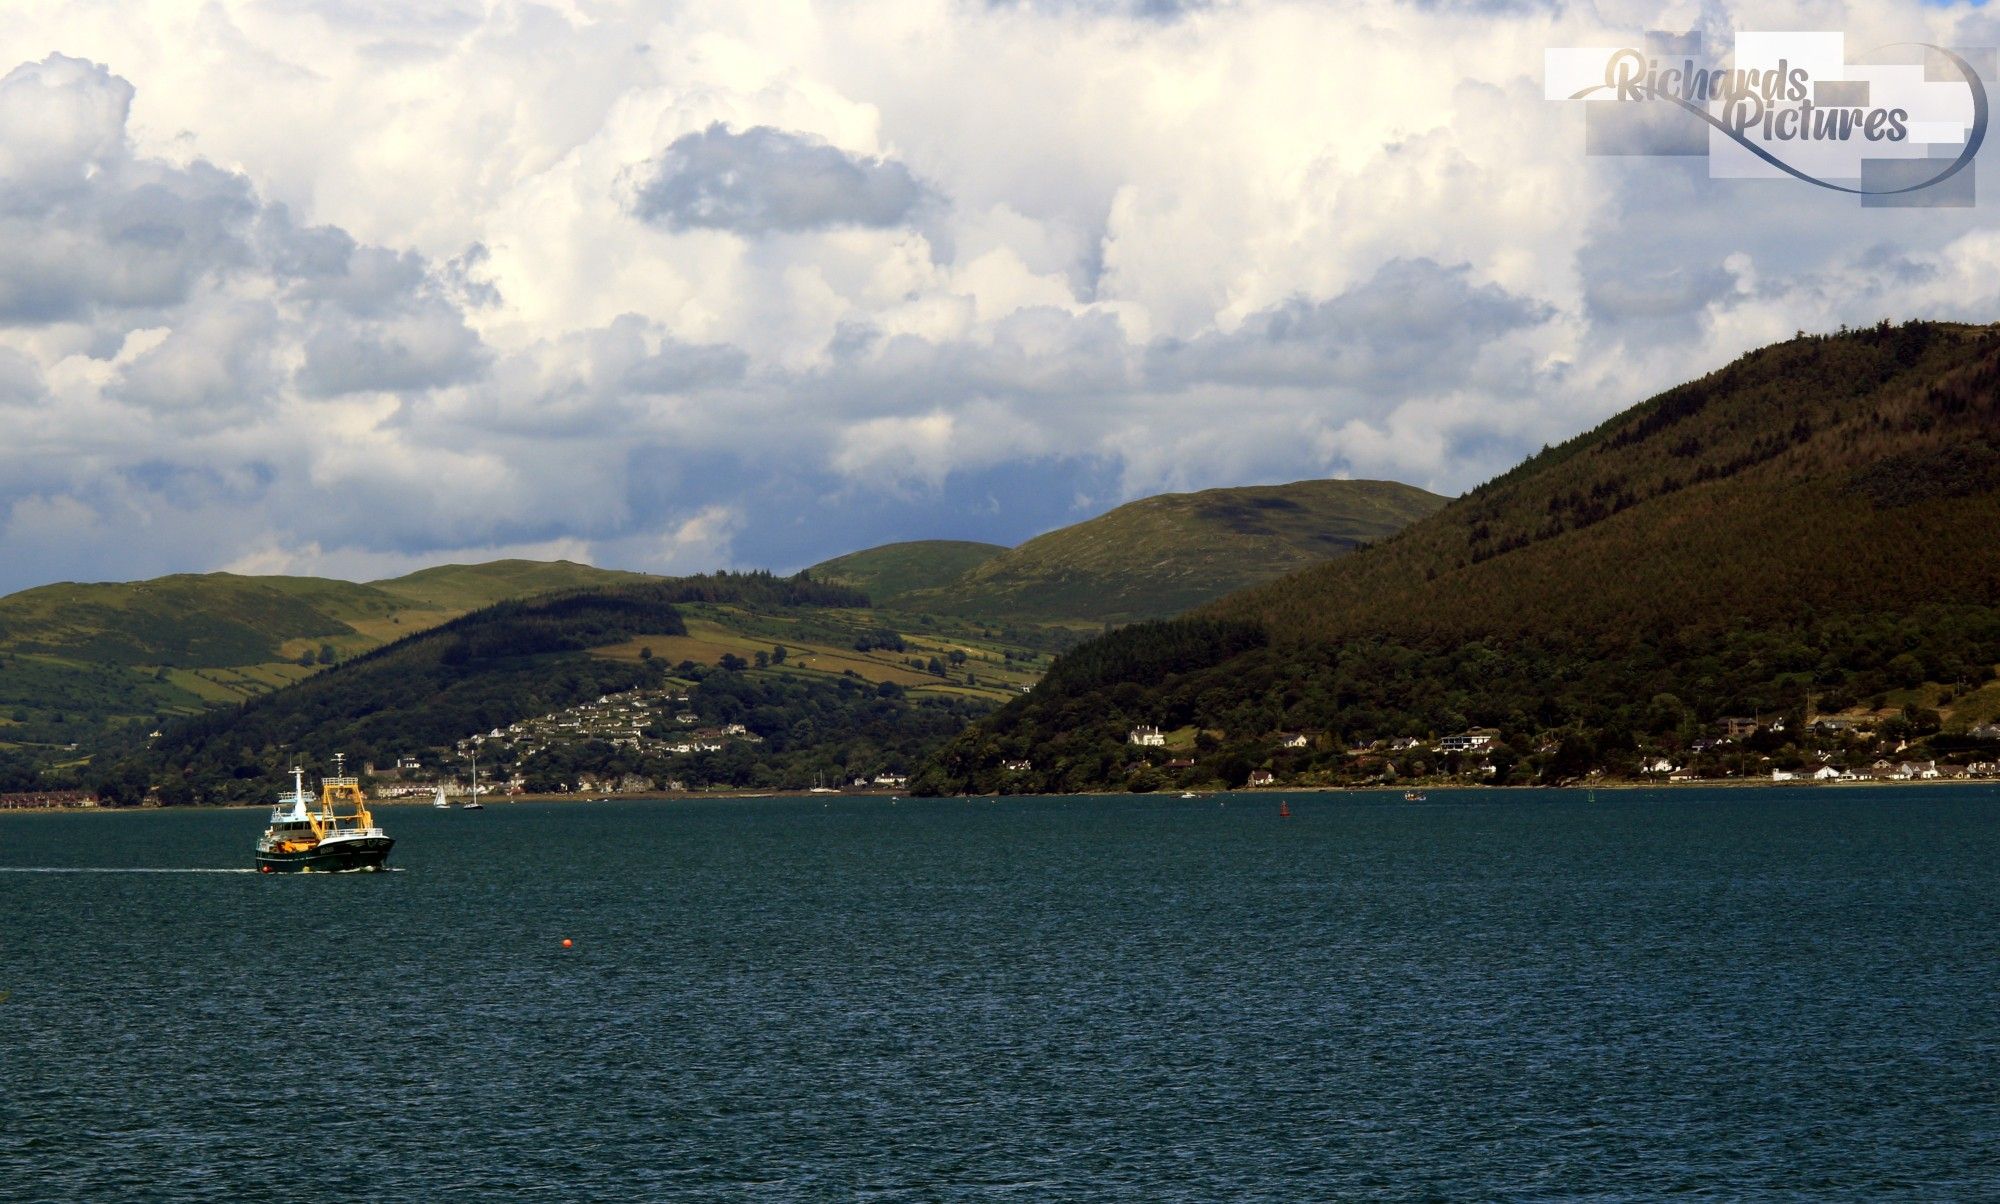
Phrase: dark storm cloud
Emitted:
{"points": [[1414, 323], [765, 181]]}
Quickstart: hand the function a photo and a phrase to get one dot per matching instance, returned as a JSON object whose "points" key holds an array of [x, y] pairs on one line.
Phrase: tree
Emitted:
{"points": [[763, 659], [326, 654], [778, 654], [1233, 769], [123, 786], [646, 653]]}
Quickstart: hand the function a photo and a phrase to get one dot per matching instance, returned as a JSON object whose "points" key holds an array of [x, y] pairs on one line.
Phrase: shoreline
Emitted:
{"points": [[1247, 791]]}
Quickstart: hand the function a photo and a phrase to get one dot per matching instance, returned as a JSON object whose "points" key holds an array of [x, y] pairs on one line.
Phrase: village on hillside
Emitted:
{"points": [[646, 724], [1740, 748]]}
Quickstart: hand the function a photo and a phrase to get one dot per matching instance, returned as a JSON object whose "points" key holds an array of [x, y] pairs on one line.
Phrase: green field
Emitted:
{"points": [[892, 570]]}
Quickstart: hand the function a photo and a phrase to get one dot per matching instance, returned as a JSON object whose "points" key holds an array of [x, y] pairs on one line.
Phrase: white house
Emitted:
{"points": [[1826, 773], [1146, 736], [1782, 775], [1262, 777], [1465, 742], [1292, 740]]}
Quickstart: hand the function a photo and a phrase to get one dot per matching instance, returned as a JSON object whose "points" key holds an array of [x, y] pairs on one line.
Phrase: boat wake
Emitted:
{"points": [[138, 869]]}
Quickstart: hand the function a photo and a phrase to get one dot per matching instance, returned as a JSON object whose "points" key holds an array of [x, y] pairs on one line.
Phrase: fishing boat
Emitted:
{"points": [[334, 835], [1415, 796]]}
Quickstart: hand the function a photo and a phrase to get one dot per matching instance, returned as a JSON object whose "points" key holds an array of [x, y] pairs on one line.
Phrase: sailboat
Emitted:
{"points": [[439, 802], [472, 802]]}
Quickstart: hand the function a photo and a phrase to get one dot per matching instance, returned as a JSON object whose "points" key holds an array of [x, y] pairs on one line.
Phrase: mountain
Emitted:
{"points": [[1809, 527], [731, 679], [76, 659], [1162, 555], [892, 570]]}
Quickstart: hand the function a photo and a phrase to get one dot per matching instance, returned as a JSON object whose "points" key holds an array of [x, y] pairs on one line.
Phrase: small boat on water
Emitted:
{"points": [[1415, 796], [337, 835], [440, 802], [472, 802]]}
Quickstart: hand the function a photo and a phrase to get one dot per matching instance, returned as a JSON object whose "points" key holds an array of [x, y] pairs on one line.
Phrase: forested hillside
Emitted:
{"points": [[1811, 527]]}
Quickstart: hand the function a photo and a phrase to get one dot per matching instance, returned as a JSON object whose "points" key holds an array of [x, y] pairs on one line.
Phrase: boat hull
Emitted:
{"points": [[351, 857]]}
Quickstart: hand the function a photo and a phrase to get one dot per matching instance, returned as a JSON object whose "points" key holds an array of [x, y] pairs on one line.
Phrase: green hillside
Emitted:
{"points": [[77, 660], [892, 570], [813, 685], [1809, 527], [1162, 555]]}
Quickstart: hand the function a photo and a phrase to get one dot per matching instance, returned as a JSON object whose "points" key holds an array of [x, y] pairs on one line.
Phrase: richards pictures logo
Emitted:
{"points": [[1898, 129]]}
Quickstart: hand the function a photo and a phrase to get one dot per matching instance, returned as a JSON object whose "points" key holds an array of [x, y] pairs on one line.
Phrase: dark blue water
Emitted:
{"points": [[1735, 994]]}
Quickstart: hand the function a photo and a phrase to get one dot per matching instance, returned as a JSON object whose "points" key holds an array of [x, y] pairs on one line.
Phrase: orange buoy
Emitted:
{"points": [[566, 942]]}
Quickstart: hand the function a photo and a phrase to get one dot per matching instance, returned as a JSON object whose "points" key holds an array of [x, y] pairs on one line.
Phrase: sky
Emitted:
{"points": [[352, 287]]}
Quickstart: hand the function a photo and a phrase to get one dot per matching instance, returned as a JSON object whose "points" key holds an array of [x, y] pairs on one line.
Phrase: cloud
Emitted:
{"points": [[1414, 325], [307, 284], [425, 347], [61, 120], [766, 181]]}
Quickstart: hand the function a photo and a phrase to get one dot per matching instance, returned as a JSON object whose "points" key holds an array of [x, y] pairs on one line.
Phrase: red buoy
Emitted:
{"points": [[566, 942], [263, 869], [1284, 810]]}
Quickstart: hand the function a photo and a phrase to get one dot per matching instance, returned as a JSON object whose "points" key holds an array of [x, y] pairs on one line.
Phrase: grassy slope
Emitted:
{"points": [[822, 642], [464, 587], [887, 572], [1163, 555]]}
